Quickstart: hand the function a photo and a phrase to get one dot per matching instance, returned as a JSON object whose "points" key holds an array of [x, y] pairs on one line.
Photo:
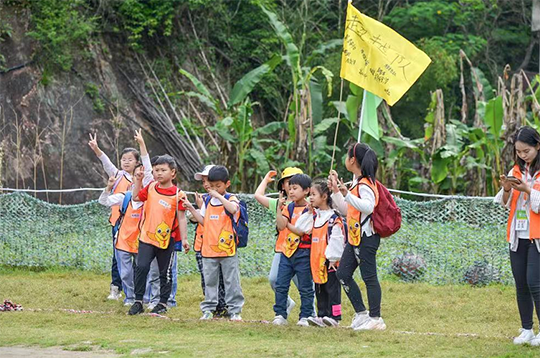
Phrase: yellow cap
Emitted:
{"points": [[290, 171], [287, 173]]}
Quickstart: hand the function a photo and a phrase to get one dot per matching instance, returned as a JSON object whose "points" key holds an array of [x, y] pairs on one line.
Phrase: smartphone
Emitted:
{"points": [[513, 179]]}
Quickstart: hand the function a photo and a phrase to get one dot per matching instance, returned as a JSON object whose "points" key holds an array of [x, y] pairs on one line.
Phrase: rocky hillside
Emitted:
{"points": [[46, 117]]}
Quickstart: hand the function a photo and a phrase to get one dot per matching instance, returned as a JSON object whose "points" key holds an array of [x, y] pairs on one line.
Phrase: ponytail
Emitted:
{"points": [[322, 187], [366, 159]]}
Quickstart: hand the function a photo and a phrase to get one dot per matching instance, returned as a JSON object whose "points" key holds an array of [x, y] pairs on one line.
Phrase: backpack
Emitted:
{"points": [[240, 227], [386, 216], [123, 209]]}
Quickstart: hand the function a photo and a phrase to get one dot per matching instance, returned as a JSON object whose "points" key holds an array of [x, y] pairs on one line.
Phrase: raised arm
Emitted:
{"points": [[145, 158], [197, 216], [108, 199], [281, 221], [261, 189], [304, 224], [142, 145], [230, 206], [94, 145], [137, 184], [108, 166]]}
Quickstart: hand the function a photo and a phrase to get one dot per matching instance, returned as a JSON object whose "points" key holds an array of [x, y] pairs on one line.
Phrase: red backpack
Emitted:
{"points": [[386, 216]]}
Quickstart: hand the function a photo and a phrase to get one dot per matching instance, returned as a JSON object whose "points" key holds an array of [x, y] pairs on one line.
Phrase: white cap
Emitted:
{"points": [[205, 171]]}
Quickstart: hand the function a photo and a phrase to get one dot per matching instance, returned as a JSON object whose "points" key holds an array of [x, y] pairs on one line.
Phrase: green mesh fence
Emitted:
{"points": [[441, 241]]}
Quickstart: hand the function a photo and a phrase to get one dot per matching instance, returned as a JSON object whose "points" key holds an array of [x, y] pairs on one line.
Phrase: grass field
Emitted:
{"points": [[422, 320]]}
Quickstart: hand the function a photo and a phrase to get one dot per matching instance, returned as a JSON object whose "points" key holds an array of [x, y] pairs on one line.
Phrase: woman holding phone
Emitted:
{"points": [[520, 193]]}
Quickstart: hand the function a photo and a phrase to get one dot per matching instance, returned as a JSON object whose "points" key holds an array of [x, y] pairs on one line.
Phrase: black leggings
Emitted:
{"points": [[525, 264], [146, 255], [329, 297], [365, 257]]}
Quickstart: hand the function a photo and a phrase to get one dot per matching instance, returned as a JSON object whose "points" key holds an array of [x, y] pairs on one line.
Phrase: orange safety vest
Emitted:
{"points": [[198, 238], [354, 216], [121, 186], [159, 218], [291, 241], [534, 219], [128, 234], [281, 237], [319, 242], [218, 238], [199, 229]]}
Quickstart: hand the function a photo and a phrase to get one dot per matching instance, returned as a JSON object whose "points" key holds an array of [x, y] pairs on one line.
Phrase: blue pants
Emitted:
{"points": [[298, 264], [115, 275]]}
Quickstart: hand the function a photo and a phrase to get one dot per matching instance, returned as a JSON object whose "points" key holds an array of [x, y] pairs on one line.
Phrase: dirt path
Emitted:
{"points": [[8, 352]]}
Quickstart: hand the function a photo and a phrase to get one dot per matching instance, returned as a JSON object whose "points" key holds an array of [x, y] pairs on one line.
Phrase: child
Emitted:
{"points": [[129, 159], [218, 247], [163, 214], [221, 309], [271, 205], [361, 249], [521, 194], [295, 253], [152, 294], [126, 240], [327, 242]]}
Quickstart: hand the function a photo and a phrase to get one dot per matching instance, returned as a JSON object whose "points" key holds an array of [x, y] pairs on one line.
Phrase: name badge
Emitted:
{"points": [[315, 239], [522, 222], [214, 217]]}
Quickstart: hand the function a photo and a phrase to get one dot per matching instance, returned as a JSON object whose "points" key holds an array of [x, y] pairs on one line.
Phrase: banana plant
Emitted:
{"points": [[305, 108], [233, 121]]}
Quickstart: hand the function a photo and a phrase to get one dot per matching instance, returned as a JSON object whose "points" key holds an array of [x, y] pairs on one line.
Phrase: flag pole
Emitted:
{"points": [[362, 112], [337, 127]]}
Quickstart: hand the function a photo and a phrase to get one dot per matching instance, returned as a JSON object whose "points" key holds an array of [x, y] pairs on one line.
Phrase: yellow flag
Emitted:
{"points": [[378, 59]]}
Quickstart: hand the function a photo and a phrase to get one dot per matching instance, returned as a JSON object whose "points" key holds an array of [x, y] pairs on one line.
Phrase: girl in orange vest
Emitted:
{"points": [[126, 240], [327, 243], [358, 203], [521, 194], [129, 160], [163, 213]]}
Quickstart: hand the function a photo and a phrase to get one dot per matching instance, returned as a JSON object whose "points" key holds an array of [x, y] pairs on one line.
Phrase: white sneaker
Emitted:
{"points": [[330, 322], [359, 319], [372, 324], [316, 321], [235, 317], [207, 315], [303, 322], [290, 305], [279, 321], [115, 293], [536, 341], [526, 336]]}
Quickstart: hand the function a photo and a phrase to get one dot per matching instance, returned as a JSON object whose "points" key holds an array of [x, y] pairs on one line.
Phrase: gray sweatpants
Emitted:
{"points": [[234, 298], [125, 262]]}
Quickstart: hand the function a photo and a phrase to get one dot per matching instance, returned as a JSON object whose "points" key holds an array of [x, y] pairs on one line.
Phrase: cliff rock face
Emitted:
{"points": [[45, 119]]}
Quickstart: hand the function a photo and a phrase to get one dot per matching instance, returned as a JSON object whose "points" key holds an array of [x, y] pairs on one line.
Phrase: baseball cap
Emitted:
{"points": [[204, 172], [287, 173]]}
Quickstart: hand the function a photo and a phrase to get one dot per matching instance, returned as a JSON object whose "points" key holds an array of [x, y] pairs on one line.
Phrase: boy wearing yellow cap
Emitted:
{"points": [[271, 204]]}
